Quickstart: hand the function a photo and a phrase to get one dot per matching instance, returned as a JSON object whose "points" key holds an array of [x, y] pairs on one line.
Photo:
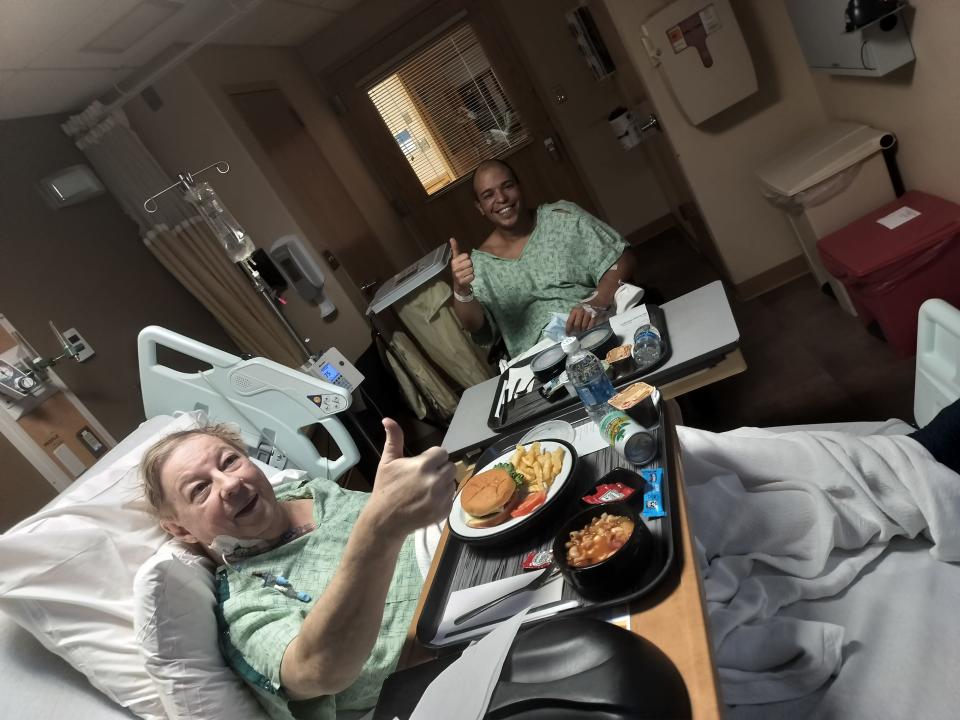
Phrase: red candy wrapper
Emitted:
{"points": [[604, 494], [537, 559]]}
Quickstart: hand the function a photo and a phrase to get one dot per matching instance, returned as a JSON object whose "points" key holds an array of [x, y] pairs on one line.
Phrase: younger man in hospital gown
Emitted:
{"points": [[352, 552], [537, 266]]}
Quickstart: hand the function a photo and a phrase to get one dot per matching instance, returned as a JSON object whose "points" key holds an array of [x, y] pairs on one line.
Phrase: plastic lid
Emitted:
{"points": [[819, 155], [865, 246], [570, 345]]}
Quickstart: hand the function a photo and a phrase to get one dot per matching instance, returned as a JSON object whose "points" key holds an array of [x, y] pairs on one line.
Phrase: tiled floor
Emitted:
{"points": [[808, 361]]}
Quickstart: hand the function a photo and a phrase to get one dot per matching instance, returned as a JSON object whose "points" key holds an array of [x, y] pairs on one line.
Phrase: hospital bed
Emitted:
{"points": [[268, 402], [892, 643]]}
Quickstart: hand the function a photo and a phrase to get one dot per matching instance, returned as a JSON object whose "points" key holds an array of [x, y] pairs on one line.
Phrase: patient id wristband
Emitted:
{"points": [[463, 298]]}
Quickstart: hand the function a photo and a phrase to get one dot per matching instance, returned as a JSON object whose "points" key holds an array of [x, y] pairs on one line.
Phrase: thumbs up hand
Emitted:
{"points": [[410, 493], [462, 267]]}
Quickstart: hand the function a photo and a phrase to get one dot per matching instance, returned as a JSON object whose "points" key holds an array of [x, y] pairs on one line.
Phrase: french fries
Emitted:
{"points": [[538, 467]]}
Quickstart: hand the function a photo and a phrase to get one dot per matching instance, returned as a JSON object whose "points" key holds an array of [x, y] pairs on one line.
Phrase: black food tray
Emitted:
{"points": [[464, 565], [531, 405]]}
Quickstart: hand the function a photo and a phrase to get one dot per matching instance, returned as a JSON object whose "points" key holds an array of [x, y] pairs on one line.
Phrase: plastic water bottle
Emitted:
{"points": [[647, 346], [588, 378]]}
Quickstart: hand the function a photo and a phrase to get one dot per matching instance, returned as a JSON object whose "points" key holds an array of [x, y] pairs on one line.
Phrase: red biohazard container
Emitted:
{"points": [[896, 257]]}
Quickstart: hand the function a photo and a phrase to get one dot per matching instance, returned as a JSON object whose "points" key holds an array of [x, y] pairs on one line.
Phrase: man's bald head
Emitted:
{"points": [[489, 164]]}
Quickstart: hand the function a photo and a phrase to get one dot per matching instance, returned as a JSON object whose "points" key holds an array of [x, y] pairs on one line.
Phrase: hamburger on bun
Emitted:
{"points": [[488, 498]]}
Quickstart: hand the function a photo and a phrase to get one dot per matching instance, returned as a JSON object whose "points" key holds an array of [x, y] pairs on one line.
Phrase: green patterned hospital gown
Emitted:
{"points": [[257, 623], [561, 264]]}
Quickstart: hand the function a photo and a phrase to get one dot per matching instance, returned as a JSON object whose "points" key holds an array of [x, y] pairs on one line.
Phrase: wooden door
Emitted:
{"points": [[543, 167], [341, 227]]}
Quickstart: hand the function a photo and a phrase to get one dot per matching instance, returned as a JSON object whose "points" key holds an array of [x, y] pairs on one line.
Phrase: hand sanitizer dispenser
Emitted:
{"points": [[705, 62], [302, 269]]}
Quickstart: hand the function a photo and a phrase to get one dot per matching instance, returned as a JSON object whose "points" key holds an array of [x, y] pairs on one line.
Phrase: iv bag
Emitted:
{"points": [[234, 239]]}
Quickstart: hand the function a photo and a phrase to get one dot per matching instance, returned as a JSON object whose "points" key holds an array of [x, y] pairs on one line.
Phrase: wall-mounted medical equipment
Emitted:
{"points": [[302, 269], [629, 129], [25, 374], [700, 51], [590, 42], [39, 415], [852, 38], [69, 186]]}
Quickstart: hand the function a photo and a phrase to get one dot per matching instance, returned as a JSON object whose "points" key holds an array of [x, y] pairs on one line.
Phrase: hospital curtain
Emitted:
{"points": [[193, 255], [128, 170], [177, 236]]}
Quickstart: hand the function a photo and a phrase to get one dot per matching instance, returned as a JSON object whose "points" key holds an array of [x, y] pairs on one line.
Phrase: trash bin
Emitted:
{"points": [[828, 178], [894, 258]]}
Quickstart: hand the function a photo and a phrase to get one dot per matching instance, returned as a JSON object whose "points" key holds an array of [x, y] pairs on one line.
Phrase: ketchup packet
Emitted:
{"points": [[653, 498], [608, 493], [537, 559]]}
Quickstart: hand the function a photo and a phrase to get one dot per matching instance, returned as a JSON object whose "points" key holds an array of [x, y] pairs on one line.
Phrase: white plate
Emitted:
{"points": [[550, 430], [458, 518]]}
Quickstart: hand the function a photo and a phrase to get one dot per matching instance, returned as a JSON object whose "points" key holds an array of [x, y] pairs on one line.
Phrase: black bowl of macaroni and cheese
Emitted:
{"points": [[604, 550]]}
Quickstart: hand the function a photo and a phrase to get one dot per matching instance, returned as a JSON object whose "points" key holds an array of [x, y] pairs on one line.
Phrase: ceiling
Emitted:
{"points": [[58, 55]]}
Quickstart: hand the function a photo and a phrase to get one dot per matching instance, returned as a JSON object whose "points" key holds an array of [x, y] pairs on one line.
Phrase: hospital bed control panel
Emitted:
{"points": [[330, 404]]}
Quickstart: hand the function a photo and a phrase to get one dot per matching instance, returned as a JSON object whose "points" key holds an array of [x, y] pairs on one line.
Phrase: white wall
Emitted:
{"points": [[719, 156]]}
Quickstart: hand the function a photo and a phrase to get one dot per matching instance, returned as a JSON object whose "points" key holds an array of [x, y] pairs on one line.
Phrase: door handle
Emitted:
{"points": [[651, 123], [367, 287]]}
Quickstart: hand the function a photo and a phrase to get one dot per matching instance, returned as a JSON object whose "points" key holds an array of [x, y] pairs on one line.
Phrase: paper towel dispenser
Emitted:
{"points": [[700, 50]]}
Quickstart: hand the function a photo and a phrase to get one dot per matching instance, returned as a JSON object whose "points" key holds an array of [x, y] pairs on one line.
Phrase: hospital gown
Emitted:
{"points": [[561, 264], [257, 623]]}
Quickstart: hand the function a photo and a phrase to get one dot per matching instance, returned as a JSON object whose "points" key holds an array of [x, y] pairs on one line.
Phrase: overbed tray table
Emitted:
{"points": [[672, 616], [705, 342]]}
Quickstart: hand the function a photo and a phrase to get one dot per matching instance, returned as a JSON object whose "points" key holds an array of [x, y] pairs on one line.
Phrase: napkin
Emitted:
{"points": [[463, 601]]}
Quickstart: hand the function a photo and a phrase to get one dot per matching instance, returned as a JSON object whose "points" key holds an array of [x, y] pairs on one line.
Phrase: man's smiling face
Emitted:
{"points": [[498, 195]]}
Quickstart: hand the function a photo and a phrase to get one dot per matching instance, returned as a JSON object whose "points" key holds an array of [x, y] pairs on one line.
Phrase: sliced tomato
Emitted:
{"points": [[530, 503]]}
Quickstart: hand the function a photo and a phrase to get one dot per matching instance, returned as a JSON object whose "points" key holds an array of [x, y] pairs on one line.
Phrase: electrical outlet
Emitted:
{"points": [[74, 338]]}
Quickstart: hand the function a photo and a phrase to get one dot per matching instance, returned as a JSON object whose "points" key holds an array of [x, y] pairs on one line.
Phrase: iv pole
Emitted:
{"points": [[234, 240]]}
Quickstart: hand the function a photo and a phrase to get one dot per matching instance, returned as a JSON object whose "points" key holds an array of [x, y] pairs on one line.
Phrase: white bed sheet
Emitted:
{"points": [[901, 637]]}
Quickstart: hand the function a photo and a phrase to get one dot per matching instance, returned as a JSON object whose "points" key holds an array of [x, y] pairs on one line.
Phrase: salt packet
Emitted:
{"points": [[653, 498]]}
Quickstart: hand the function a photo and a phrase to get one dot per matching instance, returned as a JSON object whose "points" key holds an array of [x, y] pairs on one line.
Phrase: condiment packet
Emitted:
{"points": [[653, 499], [537, 559], [608, 493]]}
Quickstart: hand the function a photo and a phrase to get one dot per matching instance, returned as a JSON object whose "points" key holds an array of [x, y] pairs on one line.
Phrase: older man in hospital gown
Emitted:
{"points": [[323, 643]]}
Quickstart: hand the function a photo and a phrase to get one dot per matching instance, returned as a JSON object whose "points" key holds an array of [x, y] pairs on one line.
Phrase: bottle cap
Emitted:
{"points": [[570, 345]]}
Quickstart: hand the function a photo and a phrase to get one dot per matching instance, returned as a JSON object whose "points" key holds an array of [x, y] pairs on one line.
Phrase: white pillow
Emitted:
{"points": [[68, 571], [176, 629]]}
